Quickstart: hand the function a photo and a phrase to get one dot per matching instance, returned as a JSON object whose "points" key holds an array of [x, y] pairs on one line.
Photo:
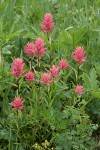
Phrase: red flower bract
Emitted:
{"points": [[17, 67], [79, 89], [79, 55], [17, 103], [46, 78], [30, 49], [30, 76], [63, 64], [47, 24], [40, 49], [54, 71]]}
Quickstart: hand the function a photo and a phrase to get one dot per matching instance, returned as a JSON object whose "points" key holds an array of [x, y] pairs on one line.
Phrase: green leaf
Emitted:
{"points": [[86, 81], [96, 94], [90, 82], [93, 79], [6, 49], [21, 148], [4, 134], [97, 66]]}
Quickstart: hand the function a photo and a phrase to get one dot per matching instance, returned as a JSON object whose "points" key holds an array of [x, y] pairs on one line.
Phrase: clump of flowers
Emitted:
{"points": [[30, 49], [63, 64], [17, 67], [79, 55], [39, 47], [47, 23], [46, 95], [79, 89], [30, 76], [17, 103], [46, 78]]}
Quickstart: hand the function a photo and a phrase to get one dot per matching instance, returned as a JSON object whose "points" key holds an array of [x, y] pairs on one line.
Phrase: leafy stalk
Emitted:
{"points": [[49, 41], [17, 125], [18, 85]]}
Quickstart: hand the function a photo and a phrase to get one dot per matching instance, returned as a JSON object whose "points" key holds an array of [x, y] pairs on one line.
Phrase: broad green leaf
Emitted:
{"points": [[21, 148], [96, 94], [90, 82], [93, 79], [86, 81], [97, 66], [4, 134]]}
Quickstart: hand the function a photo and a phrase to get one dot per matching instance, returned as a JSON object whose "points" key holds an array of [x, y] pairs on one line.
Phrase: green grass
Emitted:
{"points": [[20, 19]]}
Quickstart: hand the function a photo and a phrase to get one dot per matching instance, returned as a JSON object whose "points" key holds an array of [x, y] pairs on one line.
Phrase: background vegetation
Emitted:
{"points": [[77, 23]]}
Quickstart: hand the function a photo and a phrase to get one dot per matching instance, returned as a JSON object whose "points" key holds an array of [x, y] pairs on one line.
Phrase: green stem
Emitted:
{"points": [[9, 146], [38, 63], [18, 84], [51, 96], [48, 36], [49, 41], [74, 71], [36, 107], [48, 96], [48, 90], [17, 132], [73, 42], [37, 99], [86, 104], [78, 73], [76, 100], [64, 76], [31, 98], [31, 64]]}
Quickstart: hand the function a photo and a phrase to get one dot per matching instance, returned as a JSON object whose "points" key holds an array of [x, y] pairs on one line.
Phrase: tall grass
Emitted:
{"points": [[20, 19]]}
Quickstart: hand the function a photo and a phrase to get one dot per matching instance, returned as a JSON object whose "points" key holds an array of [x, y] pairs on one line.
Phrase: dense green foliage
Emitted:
{"points": [[53, 118]]}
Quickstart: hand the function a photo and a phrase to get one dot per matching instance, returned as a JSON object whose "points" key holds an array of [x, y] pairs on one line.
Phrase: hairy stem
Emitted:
{"points": [[49, 41], [9, 146], [17, 131], [38, 63], [78, 73], [31, 64], [18, 83]]}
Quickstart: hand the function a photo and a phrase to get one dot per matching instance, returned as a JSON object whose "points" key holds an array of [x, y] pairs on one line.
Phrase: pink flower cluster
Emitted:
{"points": [[17, 67], [79, 55], [30, 49], [54, 71], [47, 24], [63, 64], [30, 76], [40, 49], [79, 89], [48, 78], [17, 103], [17, 70], [36, 49]]}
